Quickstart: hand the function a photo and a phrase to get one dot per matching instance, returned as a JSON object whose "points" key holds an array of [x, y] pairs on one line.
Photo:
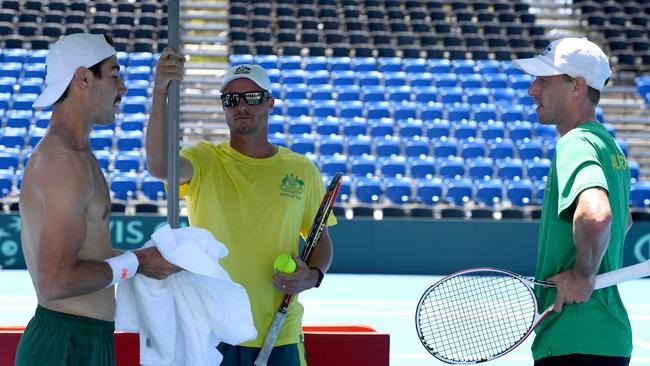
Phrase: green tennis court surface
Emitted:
{"points": [[387, 303]]}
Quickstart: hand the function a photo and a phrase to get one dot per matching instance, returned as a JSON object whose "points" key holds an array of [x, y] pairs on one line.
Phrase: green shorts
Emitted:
{"points": [[52, 339]]}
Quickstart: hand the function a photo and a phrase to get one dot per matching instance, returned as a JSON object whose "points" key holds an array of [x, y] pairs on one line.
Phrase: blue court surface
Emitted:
{"points": [[385, 302]]}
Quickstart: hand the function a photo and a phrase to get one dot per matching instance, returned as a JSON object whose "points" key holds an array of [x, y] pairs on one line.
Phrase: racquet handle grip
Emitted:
{"points": [[624, 274]]}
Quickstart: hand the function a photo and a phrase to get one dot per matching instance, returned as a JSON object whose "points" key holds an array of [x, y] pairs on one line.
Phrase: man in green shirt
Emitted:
{"points": [[585, 214]]}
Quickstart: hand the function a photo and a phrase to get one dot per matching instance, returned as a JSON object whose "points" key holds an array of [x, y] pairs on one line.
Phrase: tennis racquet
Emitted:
{"points": [[479, 314], [312, 239]]}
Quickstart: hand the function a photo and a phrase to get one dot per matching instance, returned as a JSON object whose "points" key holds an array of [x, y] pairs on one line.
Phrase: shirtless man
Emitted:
{"points": [[64, 209]]}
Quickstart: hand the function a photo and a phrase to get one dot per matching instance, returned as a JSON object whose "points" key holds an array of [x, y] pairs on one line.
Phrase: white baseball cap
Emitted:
{"points": [[571, 56], [247, 71], [64, 58]]}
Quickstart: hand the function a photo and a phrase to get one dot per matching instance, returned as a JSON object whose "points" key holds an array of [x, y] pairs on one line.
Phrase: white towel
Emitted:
{"points": [[183, 318]]}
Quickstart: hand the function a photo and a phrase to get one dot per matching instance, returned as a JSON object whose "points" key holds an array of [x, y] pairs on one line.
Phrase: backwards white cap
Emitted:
{"points": [[247, 71], [65, 57], [571, 56]]}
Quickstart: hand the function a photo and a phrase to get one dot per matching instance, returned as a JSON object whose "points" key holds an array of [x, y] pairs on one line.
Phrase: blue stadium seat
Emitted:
{"points": [[398, 190], [295, 91], [137, 88], [510, 169], [425, 94], [297, 107], [502, 95], [267, 61], [235, 60], [521, 82], [382, 127], [103, 158], [30, 86], [133, 105], [127, 161], [520, 130], [330, 165], [401, 93], [141, 59], [363, 64], [480, 168], [405, 111], [34, 71], [511, 113], [318, 77], [152, 187], [422, 167], [458, 112], [274, 76], [444, 147], [101, 139], [9, 159], [537, 169], [343, 78], [492, 129], [362, 166], [375, 110], [530, 149], [459, 191], [19, 119], [10, 69], [138, 73], [418, 79], [414, 65], [463, 66], [477, 96], [6, 182], [464, 129], [496, 81], [355, 127], [519, 192], [488, 67], [634, 169], [123, 185], [323, 108], [393, 166], [445, 80], [331, 145], [489, 192], [438, 66], [451, 167], [7, 85], [429, 190], [129, 140], [373, 93], [470, 81], [133, 122], [299, 125], [321, 92], [276, 124], [24, 102], [315, 63], [397, 78], [42, 118], [293, 77], [450, 95], [348, 93], [389, 64], [549, 146], [34, 136], [303, 144], [351, 109], [437, 128], [410, 128], [387, 146], [543, 131], [13, 137], [367, 78], [358, 145], [368, 189], [416, 147], [540, 187], [640, 194], [278, 139], [484, 113], [340, 63], [472, 148]]}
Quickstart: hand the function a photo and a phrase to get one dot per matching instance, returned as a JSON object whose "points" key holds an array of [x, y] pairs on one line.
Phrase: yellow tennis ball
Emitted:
{"points": [[284, 263]]}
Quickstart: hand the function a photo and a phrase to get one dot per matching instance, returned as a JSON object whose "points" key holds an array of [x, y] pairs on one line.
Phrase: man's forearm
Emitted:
{"points": [[156, 138]]}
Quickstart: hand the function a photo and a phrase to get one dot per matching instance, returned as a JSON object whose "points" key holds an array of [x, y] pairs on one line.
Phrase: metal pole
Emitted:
{"points": [[173, 118]]}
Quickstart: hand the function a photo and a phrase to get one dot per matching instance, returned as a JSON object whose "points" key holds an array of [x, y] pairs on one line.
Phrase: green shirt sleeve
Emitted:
{"points": [[578, 168]]}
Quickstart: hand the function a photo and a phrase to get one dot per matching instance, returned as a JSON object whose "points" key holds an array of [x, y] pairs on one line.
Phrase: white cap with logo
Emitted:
{"points": [[252, 72], [571, 56], [64, 58]]}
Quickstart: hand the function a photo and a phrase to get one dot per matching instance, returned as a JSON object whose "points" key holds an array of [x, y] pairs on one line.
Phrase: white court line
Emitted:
{"points": [[511, 357]]}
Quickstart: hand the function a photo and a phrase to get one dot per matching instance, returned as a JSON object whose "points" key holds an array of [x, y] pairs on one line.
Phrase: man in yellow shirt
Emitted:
{"points": [[255, 197]]}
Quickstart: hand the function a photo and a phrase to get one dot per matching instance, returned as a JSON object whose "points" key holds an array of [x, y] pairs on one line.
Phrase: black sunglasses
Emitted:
{"points": [[251, 98]]}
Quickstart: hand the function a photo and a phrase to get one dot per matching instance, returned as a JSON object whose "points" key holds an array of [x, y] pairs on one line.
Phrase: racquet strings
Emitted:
{"points": [[476, 316]]}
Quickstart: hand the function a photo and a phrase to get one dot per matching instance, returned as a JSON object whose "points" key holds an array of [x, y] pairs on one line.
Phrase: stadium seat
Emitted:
{"points": [[330, 165], [321, 92], [303, 144], [368, 189], [537, 169], [640, 194], [398, 190], [127, 161], [382, 127], [393, 166], [451, 167], [9, 159], [422, 167], [429, 191], [444, 147], [351, 108], [6, 182], [480, 168], [299, 125], [520, 130], [431, 112], [123, 185], [459, 191], [13, 137], [472, 148], [530, 149], [437, 128], [464, 129], [103, 158], [129, 140], [331, 145], [489, 192], [510, 169], [362, 166], [416, 147], [387, 146], [519, 192]]}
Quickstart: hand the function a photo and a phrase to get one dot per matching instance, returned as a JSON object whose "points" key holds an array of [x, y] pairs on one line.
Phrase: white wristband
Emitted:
{"points": [[123, 266]]}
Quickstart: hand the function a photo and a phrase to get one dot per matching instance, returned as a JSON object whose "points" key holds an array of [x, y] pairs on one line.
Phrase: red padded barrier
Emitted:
{"points": [[340, 345]]}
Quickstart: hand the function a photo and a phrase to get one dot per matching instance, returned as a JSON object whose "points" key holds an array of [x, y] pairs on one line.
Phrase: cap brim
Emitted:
{"points": [[52, 93], [536, 67]]}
